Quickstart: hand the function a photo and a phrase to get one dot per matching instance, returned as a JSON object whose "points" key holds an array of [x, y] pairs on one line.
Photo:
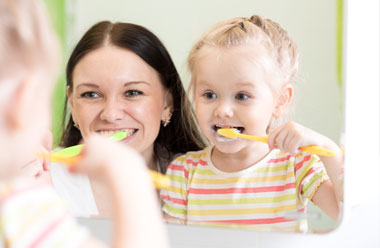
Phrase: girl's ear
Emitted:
{"points": [[19, 106], [284, 98]]}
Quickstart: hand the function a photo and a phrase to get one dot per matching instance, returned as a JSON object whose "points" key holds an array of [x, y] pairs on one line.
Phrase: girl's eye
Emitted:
{"points": [[89, 94], [241, 96], [209, 95], [133, 93]]}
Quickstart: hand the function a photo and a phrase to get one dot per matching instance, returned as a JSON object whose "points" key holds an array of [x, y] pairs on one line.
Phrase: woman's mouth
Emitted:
{"points": [[109, 133]]}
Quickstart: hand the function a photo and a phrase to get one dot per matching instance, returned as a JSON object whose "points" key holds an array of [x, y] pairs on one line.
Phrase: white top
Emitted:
{"points": [[75, 189]]}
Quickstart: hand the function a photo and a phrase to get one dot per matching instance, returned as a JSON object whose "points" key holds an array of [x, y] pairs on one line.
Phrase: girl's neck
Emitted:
{"points": [[243, 159]]}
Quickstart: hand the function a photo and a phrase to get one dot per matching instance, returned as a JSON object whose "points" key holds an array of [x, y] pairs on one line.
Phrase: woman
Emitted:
{"points": [[121, 77]]}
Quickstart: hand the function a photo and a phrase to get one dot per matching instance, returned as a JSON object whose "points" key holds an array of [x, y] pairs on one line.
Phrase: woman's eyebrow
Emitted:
{"points": [[91, 85], [135, 82], [88, 85]]}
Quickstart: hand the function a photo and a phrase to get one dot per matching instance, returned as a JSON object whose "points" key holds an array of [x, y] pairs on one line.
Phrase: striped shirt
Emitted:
{"points": [[32, 215], [270, 195]]}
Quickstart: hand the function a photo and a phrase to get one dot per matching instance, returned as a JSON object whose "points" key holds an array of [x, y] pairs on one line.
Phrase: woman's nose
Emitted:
{"points": [[224, 109], [112, 111]]}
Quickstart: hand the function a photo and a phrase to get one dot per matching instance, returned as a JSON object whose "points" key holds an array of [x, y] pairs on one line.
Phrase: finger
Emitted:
{"points": [[46, 165], [280, 139], [293, 145], [47, 141], [272, 137], [45, 160], [32, 168], [93, 155], [289, 141]]}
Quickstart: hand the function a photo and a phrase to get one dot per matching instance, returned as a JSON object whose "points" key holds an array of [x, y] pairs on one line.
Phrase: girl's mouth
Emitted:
{"points": [[237, 128], [221, 138]]}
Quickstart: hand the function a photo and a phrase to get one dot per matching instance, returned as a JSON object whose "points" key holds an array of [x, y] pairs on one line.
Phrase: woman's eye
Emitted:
{"points": [[209, 95], [89, 94], [133, 93], [241, 96]]}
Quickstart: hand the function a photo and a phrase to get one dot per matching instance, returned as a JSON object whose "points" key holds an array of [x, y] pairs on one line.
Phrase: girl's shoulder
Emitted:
{"points": [[196, 154], [192, 157], [277, 155]]}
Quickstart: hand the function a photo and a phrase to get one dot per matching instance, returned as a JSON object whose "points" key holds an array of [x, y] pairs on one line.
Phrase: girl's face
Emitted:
{"points": [[113, 90], [231, 92], [24, 119]]}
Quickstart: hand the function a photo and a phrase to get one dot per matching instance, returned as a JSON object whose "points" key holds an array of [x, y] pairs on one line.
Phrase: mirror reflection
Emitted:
{"points": [[111, 85]]}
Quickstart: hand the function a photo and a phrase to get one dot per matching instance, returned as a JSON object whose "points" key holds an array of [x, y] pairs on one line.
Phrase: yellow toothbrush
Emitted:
{"points": [[70, 156], [314, 149]]}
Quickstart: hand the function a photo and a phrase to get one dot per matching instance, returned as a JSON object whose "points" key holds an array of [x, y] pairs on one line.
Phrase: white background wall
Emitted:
{"points": [[179, 23]]}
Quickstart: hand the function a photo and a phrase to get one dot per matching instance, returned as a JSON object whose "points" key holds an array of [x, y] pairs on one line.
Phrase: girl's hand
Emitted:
{"points": [[136, 208], [101, 157], [291, 136], [38, 167]]}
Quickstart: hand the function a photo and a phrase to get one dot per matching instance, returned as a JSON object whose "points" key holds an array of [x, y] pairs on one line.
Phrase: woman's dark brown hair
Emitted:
{"points": [[182, 134]]}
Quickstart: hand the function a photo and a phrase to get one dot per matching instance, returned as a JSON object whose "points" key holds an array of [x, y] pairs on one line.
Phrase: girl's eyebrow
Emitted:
{"points": [[203, 83], [247, 84]]}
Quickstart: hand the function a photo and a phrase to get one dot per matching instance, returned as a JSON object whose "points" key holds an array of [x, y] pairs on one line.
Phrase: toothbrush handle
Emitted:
{"points": [[313, 149], [318, 150], [67, 160]]}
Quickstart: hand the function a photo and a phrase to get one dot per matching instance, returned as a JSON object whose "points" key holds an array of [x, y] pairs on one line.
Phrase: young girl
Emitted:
{"points": [[31, 213], [243, 72]]}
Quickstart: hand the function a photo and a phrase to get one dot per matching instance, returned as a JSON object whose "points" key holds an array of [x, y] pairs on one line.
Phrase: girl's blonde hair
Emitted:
{"points": [[281, 62], [26, 39]]}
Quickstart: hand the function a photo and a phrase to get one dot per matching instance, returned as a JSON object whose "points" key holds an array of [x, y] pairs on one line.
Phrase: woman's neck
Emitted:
{"points": [[150, 159]]}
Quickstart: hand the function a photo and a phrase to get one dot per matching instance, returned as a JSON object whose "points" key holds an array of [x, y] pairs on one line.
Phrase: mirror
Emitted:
{"points": [[313, 25]]}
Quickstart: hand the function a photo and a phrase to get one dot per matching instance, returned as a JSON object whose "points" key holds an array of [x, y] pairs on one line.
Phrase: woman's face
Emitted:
{"points": [[114, 89]]}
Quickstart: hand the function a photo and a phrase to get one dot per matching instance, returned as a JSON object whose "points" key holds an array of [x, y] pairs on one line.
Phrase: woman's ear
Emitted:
{"points": [[70, 100], [168, 106], [283, 100], [68, 94]]}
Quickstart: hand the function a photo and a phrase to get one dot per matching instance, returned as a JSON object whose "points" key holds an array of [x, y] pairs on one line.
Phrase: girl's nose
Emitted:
{"points": [[224, 109], [112, 111]]}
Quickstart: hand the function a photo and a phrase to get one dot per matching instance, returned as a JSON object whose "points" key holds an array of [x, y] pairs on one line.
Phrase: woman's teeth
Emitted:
{"points": [[105, 133]]}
